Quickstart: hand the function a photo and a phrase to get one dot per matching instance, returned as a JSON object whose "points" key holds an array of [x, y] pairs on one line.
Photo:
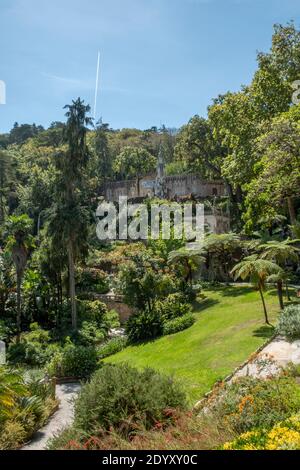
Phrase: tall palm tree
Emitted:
{"points": [[68, 212], [19, 244], [257, 270], [280, 252], [188, 259]]}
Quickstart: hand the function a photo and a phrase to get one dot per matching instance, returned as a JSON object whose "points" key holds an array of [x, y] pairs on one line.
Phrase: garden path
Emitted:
{"points": [[62, 418], [275, 355]]}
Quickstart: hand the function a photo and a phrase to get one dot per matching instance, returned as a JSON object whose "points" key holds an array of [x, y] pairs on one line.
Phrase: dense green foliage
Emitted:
{"points": [[54, 271], [178, 324], [251, 403], [73, 361], [111, 347], [228, 328], [289, 322], [24, 407], [123, 399]]}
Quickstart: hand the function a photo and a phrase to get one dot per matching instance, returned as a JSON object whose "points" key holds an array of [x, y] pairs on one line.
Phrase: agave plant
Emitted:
{"points": [[33, 405]]}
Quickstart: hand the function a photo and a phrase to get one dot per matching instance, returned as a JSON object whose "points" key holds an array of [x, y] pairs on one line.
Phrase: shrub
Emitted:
{"points": [[173, 306], [289, 322], [142, 282], [143, 326], [252, 403], [89, 333], [12, 435], [92, 279], [73, 361], [113, 346], [97, 311], [24, 407], [178, 324], [146, 325], [34, 348], [92, 310], [124, 398], [283, 436], [111, 320]]}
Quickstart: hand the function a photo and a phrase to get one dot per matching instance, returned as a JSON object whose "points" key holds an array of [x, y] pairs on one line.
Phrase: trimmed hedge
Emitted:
{"points": [[178, 324]]}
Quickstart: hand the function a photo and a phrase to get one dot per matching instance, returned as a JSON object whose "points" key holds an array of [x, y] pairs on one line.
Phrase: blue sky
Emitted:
{"points": [[162, 61]]}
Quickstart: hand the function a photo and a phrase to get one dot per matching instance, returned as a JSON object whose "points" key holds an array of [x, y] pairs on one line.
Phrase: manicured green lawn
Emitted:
{"points": [[229, 327]]}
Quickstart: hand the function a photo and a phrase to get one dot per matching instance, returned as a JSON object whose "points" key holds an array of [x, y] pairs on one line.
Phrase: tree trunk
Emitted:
{"points": [[138, 186], [292, 212], [18, 307], [287, 291], [72, 285], [280, 294], [264, 305]]}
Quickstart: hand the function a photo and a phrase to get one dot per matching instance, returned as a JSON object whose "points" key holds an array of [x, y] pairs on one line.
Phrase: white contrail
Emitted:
{"points": [[97, 85]]}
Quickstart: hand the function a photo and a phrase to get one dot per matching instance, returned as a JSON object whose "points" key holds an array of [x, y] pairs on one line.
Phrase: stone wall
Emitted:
{"points": [[115, 302], [175, 186]]}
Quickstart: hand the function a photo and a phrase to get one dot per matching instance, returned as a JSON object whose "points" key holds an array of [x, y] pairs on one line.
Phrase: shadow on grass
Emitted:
{"points": [[203, 304], [272, 292], [264, 331], [235, 291]]}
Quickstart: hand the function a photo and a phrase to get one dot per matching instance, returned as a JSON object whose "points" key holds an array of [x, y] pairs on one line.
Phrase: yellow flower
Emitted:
{"points": [[281, 436]]}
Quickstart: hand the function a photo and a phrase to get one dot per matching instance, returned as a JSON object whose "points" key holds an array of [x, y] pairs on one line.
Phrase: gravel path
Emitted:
{"points": [[277, 354], [62, 418]]}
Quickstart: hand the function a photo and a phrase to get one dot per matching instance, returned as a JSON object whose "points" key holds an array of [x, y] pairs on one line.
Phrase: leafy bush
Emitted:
{"points": [[173, 306], [113, 346], [12, 435], [7, 330], [283, 436], [97, 311], [34, 348], [73, 361], [111, 320], [124, 398], [24, 407], [289, 322], [142, 282], [143, 326], [92, 310], [92, 279], [252, 403], [162, 319], [89, 333], [178, 324]]}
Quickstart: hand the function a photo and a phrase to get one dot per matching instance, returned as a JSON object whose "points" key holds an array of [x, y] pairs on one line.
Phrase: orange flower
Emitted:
{"points": [[244, 401]]}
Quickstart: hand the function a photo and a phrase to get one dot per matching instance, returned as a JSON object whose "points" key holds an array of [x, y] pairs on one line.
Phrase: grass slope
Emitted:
{"points": [[228, 329]]}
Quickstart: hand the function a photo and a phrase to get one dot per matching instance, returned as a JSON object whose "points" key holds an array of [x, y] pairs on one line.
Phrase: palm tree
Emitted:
{"points": [[188, 259], [257, 270], [19, 244], [280, 252], [221, 249], [68, 213]]}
